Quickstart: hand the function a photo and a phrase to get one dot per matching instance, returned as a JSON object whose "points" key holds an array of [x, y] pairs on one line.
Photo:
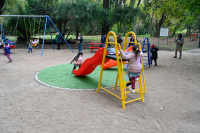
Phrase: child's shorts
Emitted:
{"points": [[77, 65], [130, 74]]}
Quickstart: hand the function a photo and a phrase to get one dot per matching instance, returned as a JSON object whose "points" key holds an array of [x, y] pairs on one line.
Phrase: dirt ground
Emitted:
{"points": [[29, 107]]}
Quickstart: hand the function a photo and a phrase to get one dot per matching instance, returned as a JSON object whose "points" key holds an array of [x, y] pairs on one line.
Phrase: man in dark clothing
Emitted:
{"points": [[154, 54], [103, 40], [179, 44], [131, 40], [58, 41], [119, 39]]}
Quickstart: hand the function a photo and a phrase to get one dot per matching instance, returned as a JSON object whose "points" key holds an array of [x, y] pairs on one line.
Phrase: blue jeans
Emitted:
{"points": [[80, 47], [30, 49]]}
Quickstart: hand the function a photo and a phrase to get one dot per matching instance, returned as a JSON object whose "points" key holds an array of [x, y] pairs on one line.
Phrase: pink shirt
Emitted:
{"points": [[79, 61], [134, 63]]}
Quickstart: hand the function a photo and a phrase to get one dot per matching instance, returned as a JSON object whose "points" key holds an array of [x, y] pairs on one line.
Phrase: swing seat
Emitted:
{"points": [[11, 46], [34, 44]]}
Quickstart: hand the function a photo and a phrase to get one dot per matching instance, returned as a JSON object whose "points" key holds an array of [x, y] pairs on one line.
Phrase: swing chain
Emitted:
{"points": [[15, 27]]}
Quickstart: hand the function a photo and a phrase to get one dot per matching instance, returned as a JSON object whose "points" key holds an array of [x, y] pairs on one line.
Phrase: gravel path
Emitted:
{"points": [[29, 107]]}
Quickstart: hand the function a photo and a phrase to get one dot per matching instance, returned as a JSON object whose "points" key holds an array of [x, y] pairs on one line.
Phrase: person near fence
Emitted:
{"points": [[79, 42], [58, 41], [179, 44], [154, 54], [103, 41], [119, 39]]}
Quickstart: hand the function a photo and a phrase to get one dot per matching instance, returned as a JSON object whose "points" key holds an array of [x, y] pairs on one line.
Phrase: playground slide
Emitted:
{"points": [[90, 64], [112, 63]]}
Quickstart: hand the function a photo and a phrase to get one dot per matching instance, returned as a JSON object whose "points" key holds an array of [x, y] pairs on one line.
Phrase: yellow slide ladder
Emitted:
{"points": [[120, 75]]}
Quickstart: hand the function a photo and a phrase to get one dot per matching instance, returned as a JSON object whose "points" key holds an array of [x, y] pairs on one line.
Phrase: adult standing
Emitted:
{"points": [[80, 39], [179, 44], [119, 39], [131, 40], [58, 40], [103, 40]]}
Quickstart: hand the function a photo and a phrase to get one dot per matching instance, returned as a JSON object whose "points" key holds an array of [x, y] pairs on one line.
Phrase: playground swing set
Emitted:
{"points": [[32, 35], [47, 19]]}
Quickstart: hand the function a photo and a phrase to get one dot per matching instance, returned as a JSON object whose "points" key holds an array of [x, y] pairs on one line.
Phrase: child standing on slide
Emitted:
{"points": [[78, 60], [135, 66], [7, 51]]}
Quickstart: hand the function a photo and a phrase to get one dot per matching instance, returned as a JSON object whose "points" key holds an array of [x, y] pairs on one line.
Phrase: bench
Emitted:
{"points": [[94, 47]]}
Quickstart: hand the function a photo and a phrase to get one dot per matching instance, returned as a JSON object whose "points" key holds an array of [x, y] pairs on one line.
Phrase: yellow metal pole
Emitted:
{"points": [[104, 56], [116, 81], [119, 73], [140, 88], [103, 61], [127, 35], [123, 78]]}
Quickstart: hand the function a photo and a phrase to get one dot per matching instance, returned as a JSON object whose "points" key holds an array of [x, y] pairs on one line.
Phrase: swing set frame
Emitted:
{"points": [[46, 21]]}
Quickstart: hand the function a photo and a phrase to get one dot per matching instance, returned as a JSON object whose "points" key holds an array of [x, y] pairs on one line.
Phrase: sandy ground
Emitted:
{"points": [[29, 107]]}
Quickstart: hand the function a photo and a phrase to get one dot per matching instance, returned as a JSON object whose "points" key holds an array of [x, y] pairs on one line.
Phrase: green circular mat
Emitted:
{"points": [[60, 76]]}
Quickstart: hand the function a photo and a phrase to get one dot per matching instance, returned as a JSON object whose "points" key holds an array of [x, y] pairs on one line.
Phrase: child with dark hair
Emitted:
{"points": [[154, 54], [78, 60], [30, 46], [119, 39], [7, 51], [135, 66]]}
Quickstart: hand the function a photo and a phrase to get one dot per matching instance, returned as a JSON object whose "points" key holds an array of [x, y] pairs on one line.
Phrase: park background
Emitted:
{"points": [[94, 18]]}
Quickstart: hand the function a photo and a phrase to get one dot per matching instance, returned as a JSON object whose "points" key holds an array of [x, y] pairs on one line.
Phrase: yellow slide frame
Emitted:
{"points": [[120, 75]]}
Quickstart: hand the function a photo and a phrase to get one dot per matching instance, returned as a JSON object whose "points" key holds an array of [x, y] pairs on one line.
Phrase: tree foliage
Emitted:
{"points": [[95, 16]]}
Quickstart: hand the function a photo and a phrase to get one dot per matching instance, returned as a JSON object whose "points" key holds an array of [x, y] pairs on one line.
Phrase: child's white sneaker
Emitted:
{"points": [[137, 79], [133, 90]]}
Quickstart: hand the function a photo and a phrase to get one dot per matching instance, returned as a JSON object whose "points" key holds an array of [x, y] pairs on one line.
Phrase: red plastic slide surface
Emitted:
{"points": [[113, 63], [90, 64]]}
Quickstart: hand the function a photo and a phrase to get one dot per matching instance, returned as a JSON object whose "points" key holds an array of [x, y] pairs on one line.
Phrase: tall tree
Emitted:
{"points": [[105, 23], [1, 6], [135, 21]]}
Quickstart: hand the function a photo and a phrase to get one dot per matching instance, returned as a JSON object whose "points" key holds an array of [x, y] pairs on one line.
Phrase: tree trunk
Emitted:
{"points": [[160, 23], [76, 34], [105, 25], [1, 6], [177, 26], [135, 20], [135, 25], [151, 27]]}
